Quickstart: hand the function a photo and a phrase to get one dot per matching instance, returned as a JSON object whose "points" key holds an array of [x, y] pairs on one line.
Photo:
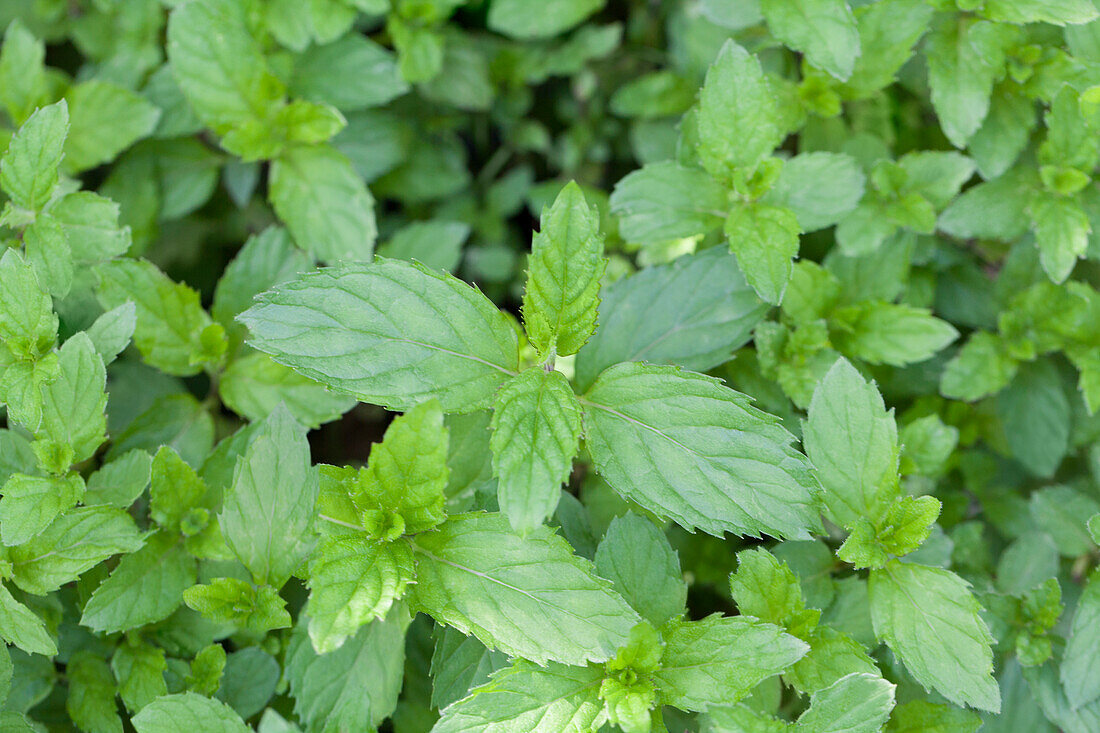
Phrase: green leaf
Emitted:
{"points": [[407, 474], [353, 580], [888, 30], [685, 447], [267, 515], [666, 201], [139, 668], [819, 188], [982, 367], [112, 331], [1004, 133], [766, 588], [91, 226], [76, 541], [1081, 685], [737, 116], [355, 686], [857, 703], [890, 333], [91, 699], [223, 75], [459, 664], [173, 333], [921, 716], [833, 654], [965, 56], [254, 385], [351, 73], [526, 595], [324, 203], [528, 19], [333, 326], [765, 239], [256, 609], [824, 30], [187, 712], [1036, 416], [121, 481], [144, 588], [30, 503], [930, 620], [437, 244], [695, 312], [21, 627], [28, 170], [536, 431], [23, 82], [561, 298], [105, 120], [1060, 511], [28, 325], [636, 557], [852, 441], [1061, 233], [528, 698], [717, 661], [74, 404], [176, 490], [1061, 12]]}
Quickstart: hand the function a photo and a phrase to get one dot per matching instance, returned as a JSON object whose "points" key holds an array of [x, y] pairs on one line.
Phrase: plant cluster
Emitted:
{"points": [[554, 366]]}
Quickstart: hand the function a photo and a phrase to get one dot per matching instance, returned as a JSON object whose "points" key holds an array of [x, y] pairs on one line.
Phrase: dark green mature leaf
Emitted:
{"points": [[332, 325], [665, 201], [687, 448], [638, 560]]}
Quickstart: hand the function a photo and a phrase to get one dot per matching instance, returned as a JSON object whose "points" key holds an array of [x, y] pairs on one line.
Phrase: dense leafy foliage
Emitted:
{"points": [[724, 366]]}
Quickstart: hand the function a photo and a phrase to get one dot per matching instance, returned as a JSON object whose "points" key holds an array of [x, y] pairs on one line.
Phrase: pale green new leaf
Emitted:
{"points": [[889, 333], [74, 404], [253, 385], [74, 543], [737, 114], [719, 660], [1057, 12], [23, 81], [171, 322], [267, 516], [637, 558], [528, 596], [112, 331], [856, 703], [324, 203], [765, 240], [525, 697], [824, 30], [188, 712], [91, 226], [252, 608], [144, 588], [21, 627], [930, 620], [688, 448], [28, 170], [1083, 648], [693, 312], [353, 580], [561, 298], [48, 252], [223, 75], [888, 30], [666, 201], [30, 503], [335, 326], [536, 431], [852, 441], [766, 588], [921, 716], [28, 325]]}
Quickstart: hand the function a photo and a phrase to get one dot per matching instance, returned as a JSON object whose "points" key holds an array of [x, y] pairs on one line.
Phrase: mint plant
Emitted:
{"points": [[563, 366]]}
